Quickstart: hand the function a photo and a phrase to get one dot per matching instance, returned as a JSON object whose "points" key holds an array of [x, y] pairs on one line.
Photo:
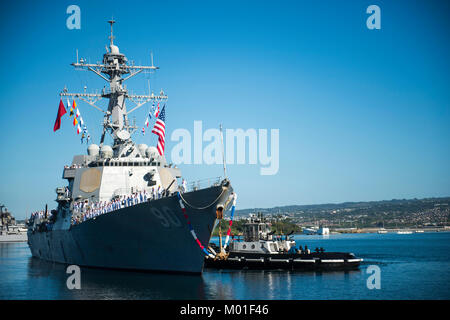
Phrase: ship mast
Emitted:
{"points": [[115, 70]]}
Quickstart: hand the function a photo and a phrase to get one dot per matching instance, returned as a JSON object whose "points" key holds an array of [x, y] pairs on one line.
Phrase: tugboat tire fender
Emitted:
{"points": [[255, 260], [305, 260], [354, 260], [234, 259], [279, 260]]}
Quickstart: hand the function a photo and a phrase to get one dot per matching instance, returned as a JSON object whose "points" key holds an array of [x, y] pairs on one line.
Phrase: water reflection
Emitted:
{"points": [[213, 284], [274, 284], [413, 268], [112, 284], [9, 249]]}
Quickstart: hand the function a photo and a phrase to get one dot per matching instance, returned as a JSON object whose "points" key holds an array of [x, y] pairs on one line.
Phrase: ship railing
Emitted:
{"points": [[204, 183], [125, 191], [129, 191], [192, 186]]}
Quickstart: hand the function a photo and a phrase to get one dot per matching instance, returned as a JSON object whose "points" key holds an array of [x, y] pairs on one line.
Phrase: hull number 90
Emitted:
{"points": [[166, 217]]}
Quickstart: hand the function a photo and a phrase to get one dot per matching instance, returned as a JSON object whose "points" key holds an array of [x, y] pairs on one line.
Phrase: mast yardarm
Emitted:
{"points": [[115, 70]]}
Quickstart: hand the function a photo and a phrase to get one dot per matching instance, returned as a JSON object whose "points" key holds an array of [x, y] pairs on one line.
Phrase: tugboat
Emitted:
{"points": [[261, 249]]}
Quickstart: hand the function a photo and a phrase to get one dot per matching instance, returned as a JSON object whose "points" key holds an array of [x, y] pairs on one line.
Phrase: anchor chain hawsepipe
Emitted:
{"points": [[191, 229], [212, 254]]}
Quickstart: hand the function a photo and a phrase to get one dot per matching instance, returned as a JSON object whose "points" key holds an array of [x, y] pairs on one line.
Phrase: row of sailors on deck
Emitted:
{"points": [[40, 214], [74, 166], [300, 250], [88, 211]]}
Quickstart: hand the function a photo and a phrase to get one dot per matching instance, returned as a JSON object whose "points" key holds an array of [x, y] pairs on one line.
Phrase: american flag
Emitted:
{"points": [[160, 130]]}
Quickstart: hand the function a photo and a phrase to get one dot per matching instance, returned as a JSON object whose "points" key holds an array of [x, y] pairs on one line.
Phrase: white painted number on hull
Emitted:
{"points": [[167, 218]]}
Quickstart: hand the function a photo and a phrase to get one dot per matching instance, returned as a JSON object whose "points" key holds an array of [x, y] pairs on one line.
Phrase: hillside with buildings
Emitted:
{"points": [[404, 213]]}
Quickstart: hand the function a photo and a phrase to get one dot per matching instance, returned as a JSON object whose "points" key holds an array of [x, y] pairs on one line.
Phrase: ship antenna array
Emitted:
{"points": [[111, 37], [115, 70]]}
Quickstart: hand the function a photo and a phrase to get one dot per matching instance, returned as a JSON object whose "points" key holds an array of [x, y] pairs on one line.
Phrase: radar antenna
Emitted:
{"points": [[111, 22], [115, 69]]}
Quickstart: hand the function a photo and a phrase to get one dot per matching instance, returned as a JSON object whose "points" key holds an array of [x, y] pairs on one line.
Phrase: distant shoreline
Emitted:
{"points": [[376, 230]]}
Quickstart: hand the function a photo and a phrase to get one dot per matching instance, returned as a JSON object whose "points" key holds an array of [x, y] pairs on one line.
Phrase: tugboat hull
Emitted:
{"points": [[312, 261]]}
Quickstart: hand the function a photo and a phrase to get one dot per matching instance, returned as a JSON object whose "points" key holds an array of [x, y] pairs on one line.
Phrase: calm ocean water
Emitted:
{"points": [[414, 266]]}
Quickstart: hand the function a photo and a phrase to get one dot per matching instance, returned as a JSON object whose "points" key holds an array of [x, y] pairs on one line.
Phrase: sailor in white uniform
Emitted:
{"points": [[159, 192]]}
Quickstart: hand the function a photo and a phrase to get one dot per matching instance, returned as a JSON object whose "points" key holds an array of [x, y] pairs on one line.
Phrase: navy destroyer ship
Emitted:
{"points": [[124, 206]]}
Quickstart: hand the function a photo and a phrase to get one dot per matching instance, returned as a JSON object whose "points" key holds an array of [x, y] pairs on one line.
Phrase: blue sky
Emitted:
{"points": [[363, 114]]}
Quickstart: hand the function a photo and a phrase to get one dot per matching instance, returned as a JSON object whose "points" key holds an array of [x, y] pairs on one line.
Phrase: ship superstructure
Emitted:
{"points": [[123, 206]]}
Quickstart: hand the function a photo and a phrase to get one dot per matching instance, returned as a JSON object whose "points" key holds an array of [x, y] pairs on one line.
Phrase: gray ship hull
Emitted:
{"points": [[150, 236]]}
